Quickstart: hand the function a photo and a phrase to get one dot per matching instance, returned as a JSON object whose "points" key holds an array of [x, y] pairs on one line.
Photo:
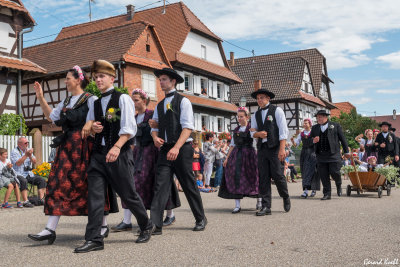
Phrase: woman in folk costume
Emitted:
{"points": [[241, 172], [368, 143], [67, 188], [308, 161], [145, 156]]}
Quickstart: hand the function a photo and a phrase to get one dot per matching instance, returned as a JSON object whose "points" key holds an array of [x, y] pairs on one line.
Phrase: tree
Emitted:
{"points": [[10, 124], [92, 88], [354, 124]]}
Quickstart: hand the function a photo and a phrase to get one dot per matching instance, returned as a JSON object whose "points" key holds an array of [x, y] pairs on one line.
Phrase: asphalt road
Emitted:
{"points": [[345, 231]]}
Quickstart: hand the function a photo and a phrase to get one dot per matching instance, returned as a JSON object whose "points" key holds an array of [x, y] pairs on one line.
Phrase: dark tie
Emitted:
{"points": [[170, 94], [107, 93], [266, 107]]}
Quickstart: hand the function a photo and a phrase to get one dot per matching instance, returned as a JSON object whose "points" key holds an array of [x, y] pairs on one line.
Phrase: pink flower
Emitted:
{"points": [[109, 117]]}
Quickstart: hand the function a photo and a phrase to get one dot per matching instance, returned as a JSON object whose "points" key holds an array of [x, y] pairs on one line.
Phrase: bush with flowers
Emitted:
{"points": [[225, 135], [203, 134], [42, 170]]}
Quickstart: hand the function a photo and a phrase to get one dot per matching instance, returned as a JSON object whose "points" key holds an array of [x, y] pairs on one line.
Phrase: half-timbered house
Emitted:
{"points": [[14, 21], [174, 37], [298, 79]]}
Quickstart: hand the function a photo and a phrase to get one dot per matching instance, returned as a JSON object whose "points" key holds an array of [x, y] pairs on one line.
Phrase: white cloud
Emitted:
{"points": [[362, 100], [389, 91], [393, 59]]}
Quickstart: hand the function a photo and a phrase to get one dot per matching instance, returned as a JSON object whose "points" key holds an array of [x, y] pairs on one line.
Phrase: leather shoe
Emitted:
{"points": [[89, 246], [145, 235], [286, 204], [339, 191], [201, 225], [50, 237], [264, 211], [236, 210], [122, 227], [168, 221], [326, 197], [156, 231], [105, 235]]}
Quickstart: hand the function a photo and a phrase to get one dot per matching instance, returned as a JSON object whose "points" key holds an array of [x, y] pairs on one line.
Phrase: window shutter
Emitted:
{"points": [[215, 91], [215, 124], [181, 86], [210, 89], [196, 85], [227, 124], [226, 90]]}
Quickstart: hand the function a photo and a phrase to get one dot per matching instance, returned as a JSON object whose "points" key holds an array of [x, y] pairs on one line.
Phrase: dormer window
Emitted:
{"points": [[306, 85], [203, 52], [324, 91]]}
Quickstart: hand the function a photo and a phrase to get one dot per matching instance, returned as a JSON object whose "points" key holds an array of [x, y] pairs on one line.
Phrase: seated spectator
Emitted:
{"points": [[8, 179], [201, 186], [22, 159]]}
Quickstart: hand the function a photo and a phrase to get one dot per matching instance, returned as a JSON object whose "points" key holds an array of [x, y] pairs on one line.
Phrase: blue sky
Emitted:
{"points": [[360, 41]]}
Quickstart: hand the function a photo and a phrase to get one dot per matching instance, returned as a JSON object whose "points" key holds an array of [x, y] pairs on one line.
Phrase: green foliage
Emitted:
{"points": [[390, 172], [354, 124], [10, 124], [92, 88], [348, 168]]}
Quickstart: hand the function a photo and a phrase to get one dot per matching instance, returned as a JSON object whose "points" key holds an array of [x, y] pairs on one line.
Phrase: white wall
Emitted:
{"points": [[192, 46], [6, 42]]}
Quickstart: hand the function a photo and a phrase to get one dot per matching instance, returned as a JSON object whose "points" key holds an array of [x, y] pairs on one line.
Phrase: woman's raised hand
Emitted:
{"points": [[38, 90]]}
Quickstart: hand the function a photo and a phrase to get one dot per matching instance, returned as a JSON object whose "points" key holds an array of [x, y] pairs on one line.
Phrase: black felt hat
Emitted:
{"points": [[392, 129], [385, 123], [170, 73], [323, 112], [262, 91]]}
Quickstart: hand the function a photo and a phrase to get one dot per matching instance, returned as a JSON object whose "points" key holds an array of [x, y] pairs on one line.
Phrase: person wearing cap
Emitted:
{"points": [[269, 127], [387, 144], [327, 137], [174, 116], [112, 159]]}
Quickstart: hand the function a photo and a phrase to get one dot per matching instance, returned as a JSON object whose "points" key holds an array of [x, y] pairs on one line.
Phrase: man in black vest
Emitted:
{"points": [[328, 136], [396, 163], [269, 126], [112, 158], [174, 116]]}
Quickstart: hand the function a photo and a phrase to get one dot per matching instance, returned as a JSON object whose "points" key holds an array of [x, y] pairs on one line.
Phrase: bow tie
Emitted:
{"points": [[107, 93], [170, 94], [266, 107], [324, 124]]}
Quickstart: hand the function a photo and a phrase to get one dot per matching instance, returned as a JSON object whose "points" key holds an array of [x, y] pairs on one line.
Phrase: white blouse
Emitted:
{"points": [[55, 113]]}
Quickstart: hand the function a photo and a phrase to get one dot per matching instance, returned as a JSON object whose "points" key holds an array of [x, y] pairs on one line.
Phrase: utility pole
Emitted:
{"points": [[90, 9], [164, 11]]}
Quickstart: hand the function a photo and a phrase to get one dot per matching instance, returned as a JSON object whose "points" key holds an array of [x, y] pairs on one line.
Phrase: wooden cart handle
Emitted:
{"points": [[355, 170]]}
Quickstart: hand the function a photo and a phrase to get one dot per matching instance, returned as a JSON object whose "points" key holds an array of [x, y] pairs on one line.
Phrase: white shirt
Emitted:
{"points": [[280, 121], [298, 137], [127, 120], [186, 118], [241, 129], [385, 134], [55, 113], [324, 127], [2, 164], [364, 166]]}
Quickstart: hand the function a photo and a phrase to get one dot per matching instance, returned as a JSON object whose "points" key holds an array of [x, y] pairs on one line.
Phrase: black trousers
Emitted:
{"points": [[35, 180], [327, 169], [182, 167], [119, 175], [269, 166]]}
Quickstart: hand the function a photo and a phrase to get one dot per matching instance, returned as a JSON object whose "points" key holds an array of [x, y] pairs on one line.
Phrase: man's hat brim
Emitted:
{"points": [[170, 73], [385, 123], [262, 91], [322, 112], [103, 66]]}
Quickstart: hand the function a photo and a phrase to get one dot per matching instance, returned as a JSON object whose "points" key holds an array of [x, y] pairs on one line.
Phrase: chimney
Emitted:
{"points": [[232, 59], [130, 11], [257, 85]]}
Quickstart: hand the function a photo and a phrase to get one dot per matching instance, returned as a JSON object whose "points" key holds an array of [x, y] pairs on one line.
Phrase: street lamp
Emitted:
{"points": [[242, 101]]}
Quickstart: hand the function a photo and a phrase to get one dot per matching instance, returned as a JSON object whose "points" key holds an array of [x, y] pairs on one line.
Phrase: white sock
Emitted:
{"points": [[170, 213], [52, 223], [259, 200], [104, 220], [306, 191], [127, 216], [237, 203]]}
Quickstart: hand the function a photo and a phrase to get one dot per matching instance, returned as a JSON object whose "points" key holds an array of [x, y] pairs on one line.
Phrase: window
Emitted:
{"points": [[204, 86], [220, 124], [219, 91], [324, 91], [203, 52], [148, 48], [204, 122], [188, 82], [149, 83]]}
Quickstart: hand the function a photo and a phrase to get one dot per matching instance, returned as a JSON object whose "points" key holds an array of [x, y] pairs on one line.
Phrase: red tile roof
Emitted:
{"points": [[311, 98], [23, 64], [61, 55], [207, 66], [345, 107], [19, 6]]}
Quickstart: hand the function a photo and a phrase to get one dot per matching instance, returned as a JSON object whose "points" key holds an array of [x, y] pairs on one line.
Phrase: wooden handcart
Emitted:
{"points": [[367, 181]]}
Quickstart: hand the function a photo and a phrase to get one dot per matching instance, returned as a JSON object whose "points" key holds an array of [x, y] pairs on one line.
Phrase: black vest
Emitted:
{"points": [[323, 144], [143, 134], [170, 121], [242, 139], [111, 128], [307, 141], [270, 126]]}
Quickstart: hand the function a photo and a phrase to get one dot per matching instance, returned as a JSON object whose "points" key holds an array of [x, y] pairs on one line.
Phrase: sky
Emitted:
{"points": [[360, 38]]}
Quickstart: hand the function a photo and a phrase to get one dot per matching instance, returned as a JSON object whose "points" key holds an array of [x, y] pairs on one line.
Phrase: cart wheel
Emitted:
{"points": [[348, 190], [389, 189], [358, 191], [379, 191]]}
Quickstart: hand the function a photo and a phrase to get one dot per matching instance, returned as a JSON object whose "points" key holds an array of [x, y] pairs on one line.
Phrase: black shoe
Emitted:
{"points": [[145, 235], [326, 197], [286, 204], [122, 227], [157, 231], [304, 195], [105, 235], [313, 193], [339, 191], [50, 237], [236, 210], [264, 211], [89, 246], [201, 225], [27, 204], [168, 221]]}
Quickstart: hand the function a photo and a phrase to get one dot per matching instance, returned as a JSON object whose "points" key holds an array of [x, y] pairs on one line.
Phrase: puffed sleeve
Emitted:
{"points": [[55, 113], [127, 122]]}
